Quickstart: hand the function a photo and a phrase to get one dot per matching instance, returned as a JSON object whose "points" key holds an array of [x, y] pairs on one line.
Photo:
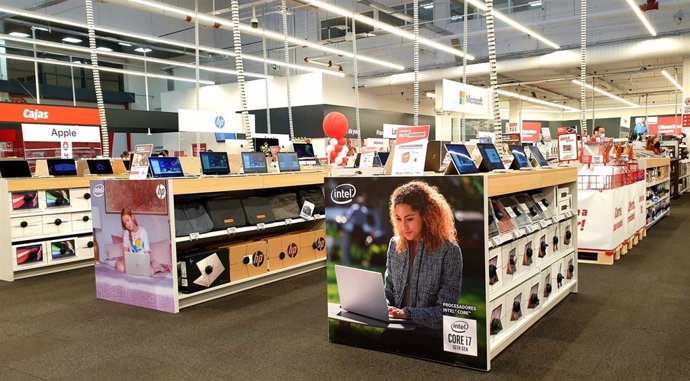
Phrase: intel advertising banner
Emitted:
{"points": [[406, 270]]}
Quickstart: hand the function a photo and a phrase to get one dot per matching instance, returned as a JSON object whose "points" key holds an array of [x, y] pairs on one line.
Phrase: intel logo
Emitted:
{"points": [[98, 190], [220, 121], [459, 327], [343, 193]]}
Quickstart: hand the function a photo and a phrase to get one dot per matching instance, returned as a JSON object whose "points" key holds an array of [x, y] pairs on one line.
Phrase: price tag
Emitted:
{"points": [[194, 236], [260, 226], [530, 229], [317, 216], [496, 241], [555, 219], [542, 206], [510, 212], [573, 212], [232, 230], [524, 208], [288, 221], [517, 234], [543, 224]]}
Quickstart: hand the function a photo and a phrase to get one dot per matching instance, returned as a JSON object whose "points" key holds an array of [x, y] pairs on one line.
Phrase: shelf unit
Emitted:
{"points": [[683, 176], [659, 173], [43, 228], [188, 188]]}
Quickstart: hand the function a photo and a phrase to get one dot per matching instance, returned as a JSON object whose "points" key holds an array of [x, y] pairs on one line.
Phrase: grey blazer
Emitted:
{"points": [[436, 279]]}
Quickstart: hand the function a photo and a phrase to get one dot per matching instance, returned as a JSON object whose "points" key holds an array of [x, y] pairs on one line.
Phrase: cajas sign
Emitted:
{"points": [[27, 113]]}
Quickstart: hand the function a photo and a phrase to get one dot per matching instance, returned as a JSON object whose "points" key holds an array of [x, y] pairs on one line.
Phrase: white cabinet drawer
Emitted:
{"points": [[21, 227], [28, 255], [57, 224], [80, 198], [85, 247], [81, 221]]}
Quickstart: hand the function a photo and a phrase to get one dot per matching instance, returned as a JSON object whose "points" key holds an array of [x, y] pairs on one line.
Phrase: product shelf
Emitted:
{"points": [[662, 215], [188, 300], [652, 203], [245, 229], [45, 212], [521, 232], [53, 267], [51, 236], [657, 182]]}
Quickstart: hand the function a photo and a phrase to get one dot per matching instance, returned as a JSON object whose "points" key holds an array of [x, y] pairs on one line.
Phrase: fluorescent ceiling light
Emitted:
{"points": [[76, 62], [124, 44], [428, 6], [388, 28], [103, 68], [536, 101], [248, 57], [103, 49], [260, 32], [536, 3], [72, 40], [604, 92], [641, 16], [20, 34], [136, 57], [143, 50], [671, 79], [479, 4], [430, 94], [41, 28]]}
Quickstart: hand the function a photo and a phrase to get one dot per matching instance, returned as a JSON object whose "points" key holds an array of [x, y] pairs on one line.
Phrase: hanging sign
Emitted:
{"points": [[530, 131], [66, 149], [462, 98], [30, 113], [211, 121], [60, 133]]}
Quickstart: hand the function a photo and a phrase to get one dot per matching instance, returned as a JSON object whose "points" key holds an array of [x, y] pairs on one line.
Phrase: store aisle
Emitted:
{"points": [[629, 321]]}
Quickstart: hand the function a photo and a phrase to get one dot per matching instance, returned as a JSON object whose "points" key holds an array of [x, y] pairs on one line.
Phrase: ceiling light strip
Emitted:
{"points": [[127, 56], [604, 92], [103, 68], [387, 27], [479, 4], [671, 79], [641, 16], [536, 101], [260, 32], [57, 20]]}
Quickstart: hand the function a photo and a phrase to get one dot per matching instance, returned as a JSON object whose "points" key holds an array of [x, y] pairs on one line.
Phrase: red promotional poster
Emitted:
{"points": [[665, 125], [530, 131], [686, 120]]}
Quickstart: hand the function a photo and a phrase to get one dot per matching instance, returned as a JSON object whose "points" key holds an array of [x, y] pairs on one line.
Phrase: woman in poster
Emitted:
{"points": [[424, 261], [135, 239]]}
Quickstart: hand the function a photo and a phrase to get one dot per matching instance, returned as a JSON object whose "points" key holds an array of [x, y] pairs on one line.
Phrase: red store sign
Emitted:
{"points": [[30, 113]]}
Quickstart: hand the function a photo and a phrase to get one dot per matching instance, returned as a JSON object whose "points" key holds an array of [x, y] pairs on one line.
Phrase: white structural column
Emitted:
{"points": [[515, 114]]}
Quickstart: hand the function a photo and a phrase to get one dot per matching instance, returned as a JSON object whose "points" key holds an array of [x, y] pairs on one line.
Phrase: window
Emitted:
{"points": [[338, 27]]}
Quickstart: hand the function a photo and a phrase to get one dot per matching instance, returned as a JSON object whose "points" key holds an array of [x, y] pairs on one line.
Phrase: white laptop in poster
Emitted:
{"points": [[138, 264], [361, 292]]}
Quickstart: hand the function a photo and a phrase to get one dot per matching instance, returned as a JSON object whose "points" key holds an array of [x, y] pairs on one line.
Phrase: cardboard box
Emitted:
{"points": [[21, 227], [308, 244], [496, 259], [247, 259], [80, 198], [81, 221], [84, 247], [284, 251], [511, 262], [57, 223]]}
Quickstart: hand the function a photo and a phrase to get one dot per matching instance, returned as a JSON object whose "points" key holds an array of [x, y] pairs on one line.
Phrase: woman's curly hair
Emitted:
{"points": [[436, 213]]}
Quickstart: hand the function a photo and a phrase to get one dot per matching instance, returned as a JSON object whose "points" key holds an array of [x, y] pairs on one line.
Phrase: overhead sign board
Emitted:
{"points": [[462, 98], [211, 121], [58, 133], [39, 114]]}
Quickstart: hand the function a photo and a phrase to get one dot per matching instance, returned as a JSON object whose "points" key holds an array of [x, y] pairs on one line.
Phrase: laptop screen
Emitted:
{"points": [[536, 154], [383, 156], [288, 162], [165, 167], [254, 162], [490, 156], [14, 168], [127, 163], [461, 158], [304, 150], [100, 167], [214, 163], [62, 167], [520, 156], [222, 136]]}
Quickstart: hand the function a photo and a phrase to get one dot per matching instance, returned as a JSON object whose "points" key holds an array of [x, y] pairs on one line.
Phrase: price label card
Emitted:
{"points": [[510, 212], [530, 229], [193, 236], [288, 221], [517, 233], [232, 230], [524, 208], [543, 224], [542, 206], [496, 241], [555, 219], [317, 216], [261, 226]]}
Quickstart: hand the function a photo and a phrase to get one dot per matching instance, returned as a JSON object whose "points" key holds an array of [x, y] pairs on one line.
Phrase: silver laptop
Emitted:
{"points": [[361, 292], [138, 264]]}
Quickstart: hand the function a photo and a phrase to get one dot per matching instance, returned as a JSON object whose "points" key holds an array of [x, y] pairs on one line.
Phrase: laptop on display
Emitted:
{"points": [[288, 162], [162, 167], [491, 160], [100, 167], [520, 160], [62, 167], [538, 157], [254, 162], [214, 163], [14, 168], [461, 160]]}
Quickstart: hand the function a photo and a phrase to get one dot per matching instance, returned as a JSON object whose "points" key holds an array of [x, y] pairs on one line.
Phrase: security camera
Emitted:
{"points": [[254, 22]]}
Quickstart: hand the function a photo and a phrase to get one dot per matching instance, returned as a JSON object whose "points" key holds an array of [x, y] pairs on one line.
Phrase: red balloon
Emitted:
{"points": [[342, 141], [333, 155], [338, 148], [335, 125]]}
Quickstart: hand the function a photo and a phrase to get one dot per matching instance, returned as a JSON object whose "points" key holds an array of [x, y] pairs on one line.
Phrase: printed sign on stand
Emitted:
{"points": [[366, 157], [410, 150], [530, 131], [567, 147], [66, 149], [140, 161]]}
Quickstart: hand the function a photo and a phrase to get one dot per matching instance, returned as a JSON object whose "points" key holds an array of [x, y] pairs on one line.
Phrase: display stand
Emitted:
{"points": [[469, 337], [683, 176], [612, 211], [48, 226], [153, 203], [658, 176]]}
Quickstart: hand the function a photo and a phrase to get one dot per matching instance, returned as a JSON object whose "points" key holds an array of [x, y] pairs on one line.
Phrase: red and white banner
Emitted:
{"points": [[601, 219], [665, 125], [410, 150], [530, 131]]}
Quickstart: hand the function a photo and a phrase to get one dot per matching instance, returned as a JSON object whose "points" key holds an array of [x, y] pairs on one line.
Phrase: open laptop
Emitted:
{"points": [[214, 163], [100, 167], [436, 156], [538, 158], [361, 292], [62, 167], [162, 167], [14, 168], [138, 264], [254, 162], [288, 162], [491, 160], [520, 160], [461, 160]]}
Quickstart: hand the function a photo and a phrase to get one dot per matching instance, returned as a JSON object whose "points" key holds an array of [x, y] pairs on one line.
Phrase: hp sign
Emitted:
{"points": [[220, 121]]}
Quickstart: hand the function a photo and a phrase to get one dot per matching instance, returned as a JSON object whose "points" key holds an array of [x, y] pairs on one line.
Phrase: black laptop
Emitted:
{"points": [[62, 167], [214, 163], [100, 167], [14, 168]]}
